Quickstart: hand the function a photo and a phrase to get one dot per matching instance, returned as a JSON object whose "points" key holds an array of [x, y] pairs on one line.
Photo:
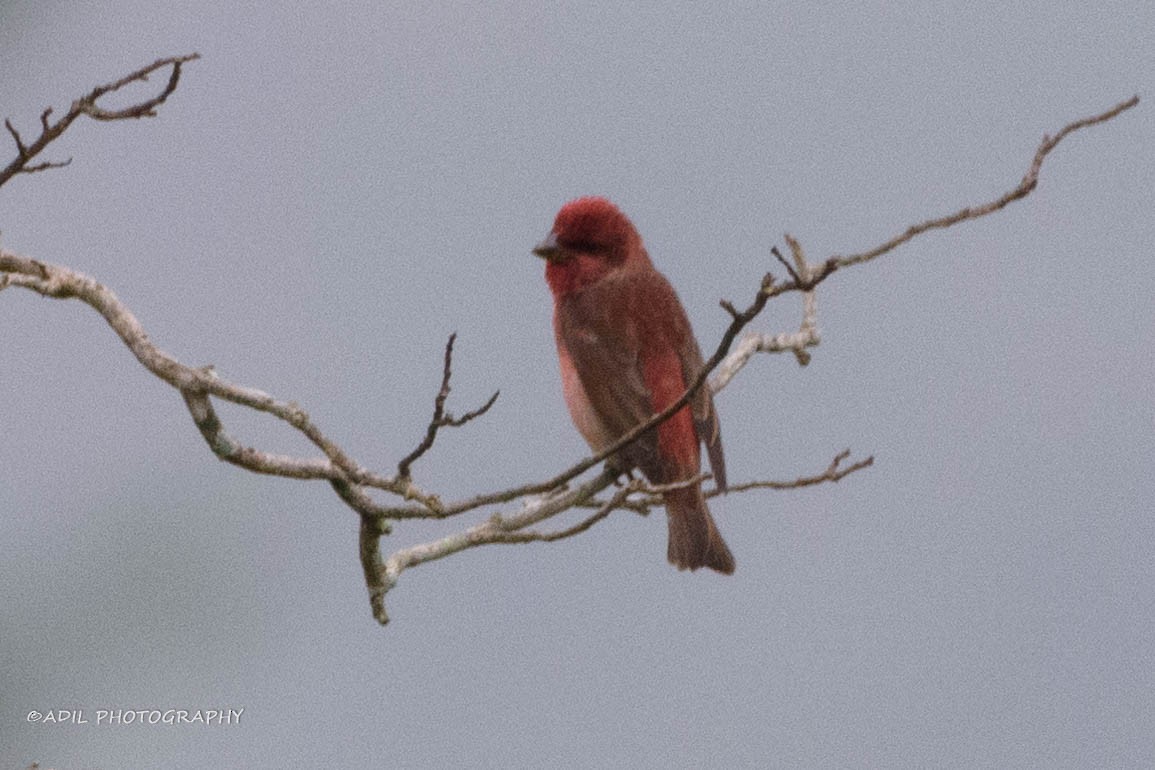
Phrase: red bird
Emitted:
{"points": [[627, 352]]}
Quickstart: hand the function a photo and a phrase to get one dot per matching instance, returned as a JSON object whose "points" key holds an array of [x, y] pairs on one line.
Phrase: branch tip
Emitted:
{"points": [[789, 268], [1028, 183], [199, 386], [20, 148], [86, 105], [441, 418]]}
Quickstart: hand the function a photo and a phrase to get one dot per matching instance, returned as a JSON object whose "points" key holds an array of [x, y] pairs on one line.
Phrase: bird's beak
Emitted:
{"points": [[548, 249]]}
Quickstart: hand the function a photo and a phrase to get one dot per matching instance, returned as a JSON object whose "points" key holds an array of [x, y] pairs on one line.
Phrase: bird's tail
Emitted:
{"points": [[694, 540]]}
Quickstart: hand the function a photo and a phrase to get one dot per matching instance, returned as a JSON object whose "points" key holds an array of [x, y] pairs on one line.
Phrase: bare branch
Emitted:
{"points": [[604, 510], [196, 384], [491, 530], [728, 306], [441, 418], [619, 500], [369, 550], [351, 482], [795, 342], [457, 422], [807, 336], [1029, 182], [87, 105], [145, 109], [21, 148], [740, 320], [804, 278], [512, 529], [789, 268], [833, 473]]}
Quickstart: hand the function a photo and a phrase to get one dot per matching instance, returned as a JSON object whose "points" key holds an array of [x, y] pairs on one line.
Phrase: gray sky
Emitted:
{"points": [[332, 190]]}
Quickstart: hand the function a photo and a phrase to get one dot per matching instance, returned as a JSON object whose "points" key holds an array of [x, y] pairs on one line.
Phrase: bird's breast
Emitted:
{"points": [[581, 411]]}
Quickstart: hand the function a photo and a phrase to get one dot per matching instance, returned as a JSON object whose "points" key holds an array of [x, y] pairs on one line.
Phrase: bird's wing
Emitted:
{"points": [[603, 349], [634, 352], [706, 422]]}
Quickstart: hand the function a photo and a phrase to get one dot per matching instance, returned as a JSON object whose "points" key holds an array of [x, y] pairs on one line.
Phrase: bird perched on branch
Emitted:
{"points": [[627, 352]]}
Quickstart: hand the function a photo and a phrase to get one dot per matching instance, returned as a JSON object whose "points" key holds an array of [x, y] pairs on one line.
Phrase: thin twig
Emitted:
{"points": [[198, 385], [87, 105], [789, 268], [441, 418], [833, 473], [1029, 182], [804, 278], [740, 320]]}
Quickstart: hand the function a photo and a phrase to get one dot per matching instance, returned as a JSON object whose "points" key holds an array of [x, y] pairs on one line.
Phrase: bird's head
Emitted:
{"points": [[590, 238]]}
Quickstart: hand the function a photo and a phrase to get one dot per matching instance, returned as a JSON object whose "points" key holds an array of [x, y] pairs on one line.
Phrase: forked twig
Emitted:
{"points": [[87, 105], [352, 482], [442, 418]]}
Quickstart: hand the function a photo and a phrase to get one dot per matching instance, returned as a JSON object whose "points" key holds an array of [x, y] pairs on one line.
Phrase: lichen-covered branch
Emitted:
{"points": [[352, 483], [804, 278], [197, 384]]}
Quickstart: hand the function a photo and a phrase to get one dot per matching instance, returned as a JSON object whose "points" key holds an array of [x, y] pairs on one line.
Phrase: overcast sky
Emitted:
{"points": [[334, 189]]}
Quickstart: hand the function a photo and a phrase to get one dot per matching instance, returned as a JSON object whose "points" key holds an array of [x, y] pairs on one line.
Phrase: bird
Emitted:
{"points": [[626, 352]]}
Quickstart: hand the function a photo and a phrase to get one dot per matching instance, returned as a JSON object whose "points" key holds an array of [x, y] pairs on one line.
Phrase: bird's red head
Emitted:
{"points": [[590, 238]]}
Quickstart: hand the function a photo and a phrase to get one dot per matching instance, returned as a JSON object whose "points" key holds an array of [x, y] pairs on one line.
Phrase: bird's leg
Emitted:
{"points": [[619, 467]]}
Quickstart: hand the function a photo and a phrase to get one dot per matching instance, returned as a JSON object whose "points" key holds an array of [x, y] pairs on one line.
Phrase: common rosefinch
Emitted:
{"points": [[627, 352]]}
